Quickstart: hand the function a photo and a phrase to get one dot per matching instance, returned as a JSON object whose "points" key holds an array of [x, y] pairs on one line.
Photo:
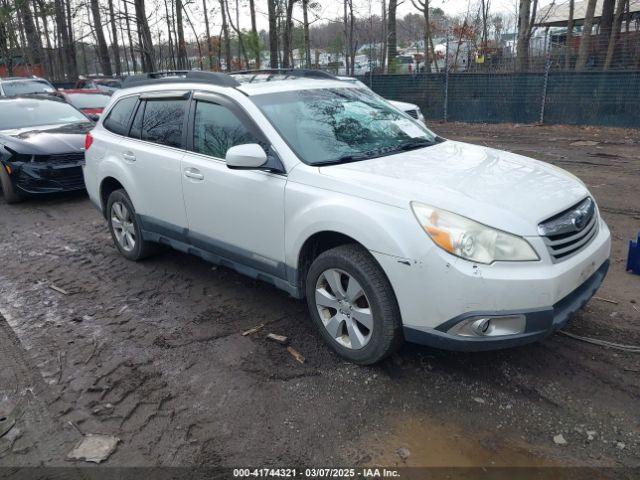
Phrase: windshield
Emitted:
{"points": [[34, 113], [23, 87], [88, 100], [341, 125]]}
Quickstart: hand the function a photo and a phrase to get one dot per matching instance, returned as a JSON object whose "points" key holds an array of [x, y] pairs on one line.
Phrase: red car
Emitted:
{"points": [[89, 102]]}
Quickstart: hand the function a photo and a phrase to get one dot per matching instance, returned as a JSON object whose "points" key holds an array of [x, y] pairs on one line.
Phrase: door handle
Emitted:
{"points": [[193, 173], [129, 157]]}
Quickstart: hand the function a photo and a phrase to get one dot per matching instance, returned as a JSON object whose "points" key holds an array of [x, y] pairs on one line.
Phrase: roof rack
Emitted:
{"points": [[285, 73], [180, 76]]}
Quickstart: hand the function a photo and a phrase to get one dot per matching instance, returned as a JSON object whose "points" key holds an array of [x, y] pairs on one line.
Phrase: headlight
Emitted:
{"points": [[471, 240]]}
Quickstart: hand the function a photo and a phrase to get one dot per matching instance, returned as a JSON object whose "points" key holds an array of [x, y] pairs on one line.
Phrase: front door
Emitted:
{"points": [[237, 214]]}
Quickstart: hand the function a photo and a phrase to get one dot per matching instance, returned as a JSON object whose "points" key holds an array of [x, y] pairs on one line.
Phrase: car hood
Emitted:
{"points": [[47, 140], [500, 189]]}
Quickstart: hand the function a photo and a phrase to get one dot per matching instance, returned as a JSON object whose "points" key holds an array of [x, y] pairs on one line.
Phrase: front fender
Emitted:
{"points": [[386, 229]]}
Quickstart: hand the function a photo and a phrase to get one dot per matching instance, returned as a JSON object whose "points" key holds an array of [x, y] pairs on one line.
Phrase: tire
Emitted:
{"points": [[10, 194], [340, 322], [128, 240]]}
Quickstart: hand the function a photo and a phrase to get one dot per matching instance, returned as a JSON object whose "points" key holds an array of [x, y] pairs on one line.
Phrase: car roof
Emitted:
{"points": [[249, 83], [24, 79]]}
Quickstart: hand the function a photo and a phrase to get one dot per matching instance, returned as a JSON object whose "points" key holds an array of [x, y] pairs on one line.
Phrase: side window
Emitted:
{"points": [[163, 121], [216, 129], [119, 116]]}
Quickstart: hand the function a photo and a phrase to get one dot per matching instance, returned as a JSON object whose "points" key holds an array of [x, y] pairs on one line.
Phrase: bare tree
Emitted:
{"points": [[183, 62], [526, 20], [134, 62], [392, 43], [239, 35], [225, 33], [583, 51], [147, 55], [67, 52], [613, 37], [306, 36], [273, 33], [208, 32], [114, 40], [567, 55], [34, 43], [287, 35], [423, 6]]}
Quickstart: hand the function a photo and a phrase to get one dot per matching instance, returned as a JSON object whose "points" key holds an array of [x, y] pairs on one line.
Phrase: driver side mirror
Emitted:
{"points": [[247, 156]]}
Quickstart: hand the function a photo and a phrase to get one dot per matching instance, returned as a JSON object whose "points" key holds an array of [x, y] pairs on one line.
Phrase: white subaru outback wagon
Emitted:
{"points": [[328, 192]]}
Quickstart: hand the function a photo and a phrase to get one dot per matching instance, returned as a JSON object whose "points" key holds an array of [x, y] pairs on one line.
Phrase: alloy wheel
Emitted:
{"points": [[344, 308], [123, 227]]}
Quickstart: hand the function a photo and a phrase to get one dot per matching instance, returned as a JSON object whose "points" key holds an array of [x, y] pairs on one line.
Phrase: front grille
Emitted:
{"points": [[568, 232], [61, 158], [68, 178], [412, 113]]}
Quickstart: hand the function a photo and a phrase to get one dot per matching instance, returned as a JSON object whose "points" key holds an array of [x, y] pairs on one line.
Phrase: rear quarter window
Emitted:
{"points": [[118, 119]]}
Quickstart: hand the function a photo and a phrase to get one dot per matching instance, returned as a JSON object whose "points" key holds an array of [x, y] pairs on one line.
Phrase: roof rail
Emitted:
{"points": [[286, 72], [180, 76]]}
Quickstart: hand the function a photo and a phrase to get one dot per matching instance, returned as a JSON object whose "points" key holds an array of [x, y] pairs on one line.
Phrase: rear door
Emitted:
{"points": [[238, 214], [153, 151]]}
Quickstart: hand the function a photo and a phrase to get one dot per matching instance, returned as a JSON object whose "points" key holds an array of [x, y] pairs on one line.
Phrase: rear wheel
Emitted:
{"points": [[10, 194], [353, 305], [125, 229]]}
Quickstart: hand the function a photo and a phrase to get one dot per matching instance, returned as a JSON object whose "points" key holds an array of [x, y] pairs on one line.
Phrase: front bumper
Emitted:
{"points": [[40, 178], [539, 322]]}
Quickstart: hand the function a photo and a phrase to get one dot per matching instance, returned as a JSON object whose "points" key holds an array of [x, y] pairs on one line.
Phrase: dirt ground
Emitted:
{"points": [[152, 352]]}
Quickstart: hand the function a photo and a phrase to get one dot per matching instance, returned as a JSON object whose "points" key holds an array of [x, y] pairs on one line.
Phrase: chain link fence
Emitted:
{"points": [[580, 98]]}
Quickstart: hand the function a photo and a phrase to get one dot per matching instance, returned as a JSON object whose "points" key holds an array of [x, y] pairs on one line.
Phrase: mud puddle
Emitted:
{"points": [[420, 443]]}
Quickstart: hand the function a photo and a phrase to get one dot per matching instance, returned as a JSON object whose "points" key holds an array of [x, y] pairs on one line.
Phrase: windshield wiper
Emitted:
{"points": [[413, 145]]}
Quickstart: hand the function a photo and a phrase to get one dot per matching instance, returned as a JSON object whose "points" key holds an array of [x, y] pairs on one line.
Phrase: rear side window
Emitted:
{"points": [[217, 129], [163, 122], [119, 116]]}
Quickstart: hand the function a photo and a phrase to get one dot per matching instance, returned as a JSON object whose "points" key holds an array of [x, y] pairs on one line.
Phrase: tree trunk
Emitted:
{"points": [[208, 33], [225, 34], [254, 33], [423, 6], [114, 41], [103, 50], [392, 44], [182, 46], [305, 28], [34, 44], [287, 37], [346, 48], [583, 51], [273, 34], [146, 43], [522, 47], [385, 42], [39, 12], [193, 29], [69, 65], [73, 56], [134, 62], [613, 37], [235, 28], [568, 48], [172, 54]]}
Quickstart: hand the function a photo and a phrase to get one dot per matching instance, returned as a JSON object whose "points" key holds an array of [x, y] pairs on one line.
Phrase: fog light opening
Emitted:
{"points": [[490, 326]]}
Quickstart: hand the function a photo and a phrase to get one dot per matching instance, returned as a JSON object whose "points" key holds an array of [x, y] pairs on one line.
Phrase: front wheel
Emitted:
{"points": [[9, 192], [353, 305]]}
